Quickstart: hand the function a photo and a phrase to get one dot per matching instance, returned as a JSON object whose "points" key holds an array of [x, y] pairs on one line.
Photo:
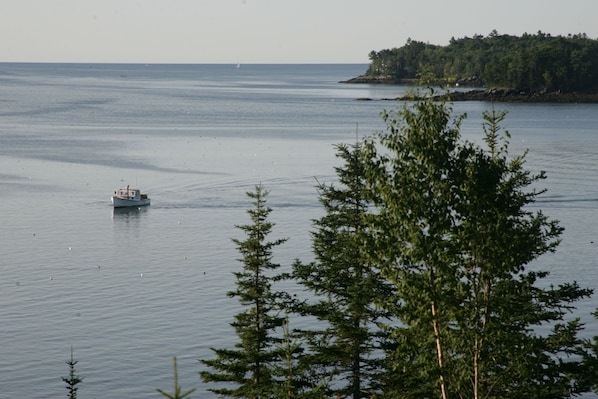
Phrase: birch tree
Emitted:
{"points": [[456, 234]]}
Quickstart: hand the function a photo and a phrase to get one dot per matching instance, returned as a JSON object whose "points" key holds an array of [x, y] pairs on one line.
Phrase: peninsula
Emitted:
{"points": [[527, 68]]}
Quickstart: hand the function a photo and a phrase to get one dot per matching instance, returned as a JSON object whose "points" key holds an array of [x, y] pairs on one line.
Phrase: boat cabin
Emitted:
{"points": [[130, 193]]}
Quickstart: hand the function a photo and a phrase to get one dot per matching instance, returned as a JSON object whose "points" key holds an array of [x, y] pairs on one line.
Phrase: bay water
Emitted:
{"points": [[128, 290]]}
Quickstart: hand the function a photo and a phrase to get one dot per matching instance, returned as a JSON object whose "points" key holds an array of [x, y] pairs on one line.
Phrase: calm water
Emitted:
{"points": [[196, 138]]}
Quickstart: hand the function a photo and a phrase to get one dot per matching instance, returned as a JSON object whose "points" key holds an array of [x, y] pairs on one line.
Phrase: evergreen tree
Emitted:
{"points": [[455, 233], [298, 375], [73, 379], [527, 63], [289, 347], [345, 283], [250, 364], [590, 356], [176, 393]]}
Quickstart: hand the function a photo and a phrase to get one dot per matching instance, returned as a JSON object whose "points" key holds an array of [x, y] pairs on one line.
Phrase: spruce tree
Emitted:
{"points": [[176, 393], [345, 284], [298, 376], [589, 376], [73, 379], [250, 364], [456, 233]]}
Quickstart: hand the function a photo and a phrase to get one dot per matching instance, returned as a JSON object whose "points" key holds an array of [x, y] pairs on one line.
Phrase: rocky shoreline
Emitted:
{"points": [[489, 95], [385, 80], [515, 96]]}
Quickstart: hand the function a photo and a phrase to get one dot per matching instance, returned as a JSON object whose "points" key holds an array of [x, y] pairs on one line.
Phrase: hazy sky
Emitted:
{"points": [[264, 31]]}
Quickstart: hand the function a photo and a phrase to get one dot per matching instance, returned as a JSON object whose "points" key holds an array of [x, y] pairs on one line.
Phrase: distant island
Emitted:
{"points": [[527, 68]]}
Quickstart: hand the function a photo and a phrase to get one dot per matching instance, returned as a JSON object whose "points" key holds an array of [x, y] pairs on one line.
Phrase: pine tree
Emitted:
{"points": [[456, 234], [251, 363], [73, 379], [345, 284]]}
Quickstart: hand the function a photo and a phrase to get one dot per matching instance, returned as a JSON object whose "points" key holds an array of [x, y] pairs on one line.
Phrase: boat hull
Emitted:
{"points": [[128, 202]]}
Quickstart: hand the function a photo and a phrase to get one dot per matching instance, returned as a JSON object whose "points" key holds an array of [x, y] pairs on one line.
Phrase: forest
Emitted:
{"points": [[421, 285], [531, 62]]}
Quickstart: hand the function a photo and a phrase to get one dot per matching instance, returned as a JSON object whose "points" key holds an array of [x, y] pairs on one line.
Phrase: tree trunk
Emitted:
{"points": [[439, 351]]}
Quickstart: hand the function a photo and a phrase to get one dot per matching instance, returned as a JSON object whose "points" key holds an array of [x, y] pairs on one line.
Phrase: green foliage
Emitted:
{"points": [[345, 284], [72, 380], [590, 362], [455, 234], [289, 347], [176, 393], [529, 62], [297, 374], [250, 364], [421, 284]]}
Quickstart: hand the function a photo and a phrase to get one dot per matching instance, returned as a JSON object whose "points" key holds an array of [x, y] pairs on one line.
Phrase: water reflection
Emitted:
{"points": [[128, 214]]}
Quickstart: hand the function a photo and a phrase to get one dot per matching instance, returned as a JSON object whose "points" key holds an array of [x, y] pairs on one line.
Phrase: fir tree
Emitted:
{"points": [[345, 283], [73, 379], [250, 364], [298, 379], [589, 376], [176, 393]]}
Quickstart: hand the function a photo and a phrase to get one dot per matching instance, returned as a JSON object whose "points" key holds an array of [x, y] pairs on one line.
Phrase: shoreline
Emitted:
{"points": [[504, 96], [488, 95]]}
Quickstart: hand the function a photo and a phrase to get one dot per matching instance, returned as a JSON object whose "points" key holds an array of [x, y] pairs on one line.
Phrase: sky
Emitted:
{"points": [[264, 31]]}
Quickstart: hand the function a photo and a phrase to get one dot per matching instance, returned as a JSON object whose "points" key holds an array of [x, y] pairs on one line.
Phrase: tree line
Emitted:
{"points": [[421, 285], [531, 62]]}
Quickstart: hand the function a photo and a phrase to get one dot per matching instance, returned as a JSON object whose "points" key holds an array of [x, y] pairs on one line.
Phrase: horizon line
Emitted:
{"points": [[181, 63]]}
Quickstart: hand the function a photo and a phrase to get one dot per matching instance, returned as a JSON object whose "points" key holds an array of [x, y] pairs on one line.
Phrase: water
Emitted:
{"points": [[129, 290]]}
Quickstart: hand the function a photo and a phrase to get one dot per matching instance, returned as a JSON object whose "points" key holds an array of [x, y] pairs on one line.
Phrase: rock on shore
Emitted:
{"points": [[506, 96], [388, 80], [492, 95], [516, 96]]}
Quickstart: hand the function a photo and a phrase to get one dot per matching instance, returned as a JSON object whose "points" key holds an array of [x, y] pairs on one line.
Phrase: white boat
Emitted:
{"points": [[129, 197]]}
